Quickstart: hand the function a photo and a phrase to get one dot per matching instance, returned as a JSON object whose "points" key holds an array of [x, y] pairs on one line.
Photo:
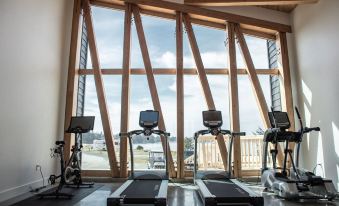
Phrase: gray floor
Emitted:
{"points": [[184, 194]]}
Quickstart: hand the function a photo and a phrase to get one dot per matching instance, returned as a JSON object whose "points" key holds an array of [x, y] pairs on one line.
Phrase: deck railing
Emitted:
{"points": [[209, 155]]}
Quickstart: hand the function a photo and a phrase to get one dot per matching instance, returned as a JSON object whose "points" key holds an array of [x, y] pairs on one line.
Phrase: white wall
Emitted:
{"points": [[34, 46], [316, 33]]}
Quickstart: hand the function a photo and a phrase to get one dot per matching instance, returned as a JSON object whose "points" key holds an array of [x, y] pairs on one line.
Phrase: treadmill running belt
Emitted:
{"points": [[225, 188], [142, 189]]}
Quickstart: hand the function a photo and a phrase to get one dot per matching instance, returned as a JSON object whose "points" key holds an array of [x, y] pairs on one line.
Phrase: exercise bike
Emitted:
{"points": [[71, 171], [295, 183]]}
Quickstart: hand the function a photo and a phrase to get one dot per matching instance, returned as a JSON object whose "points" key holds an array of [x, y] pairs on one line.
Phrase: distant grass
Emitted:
{"points": [[140, 156]]}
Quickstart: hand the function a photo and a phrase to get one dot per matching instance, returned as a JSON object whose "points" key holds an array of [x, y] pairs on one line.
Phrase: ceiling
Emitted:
{"points": [[283, 8], [278, 5]]}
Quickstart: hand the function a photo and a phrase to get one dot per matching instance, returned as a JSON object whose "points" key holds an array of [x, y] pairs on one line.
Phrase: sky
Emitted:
{"points": [[160, 37]]}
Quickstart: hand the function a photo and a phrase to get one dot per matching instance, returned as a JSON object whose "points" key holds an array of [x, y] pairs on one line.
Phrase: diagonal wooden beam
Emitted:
{"points": [[204, 82], [180, 97], [246, 2], [285, 74], [234, 98], [125, 94], [212, 14], [151, 83], [256, 87], [285, 80], [72, 78], [106, 124]]}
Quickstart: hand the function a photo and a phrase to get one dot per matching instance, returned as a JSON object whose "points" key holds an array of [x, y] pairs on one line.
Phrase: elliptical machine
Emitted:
{"points": [[293, 183], [71, 171]]}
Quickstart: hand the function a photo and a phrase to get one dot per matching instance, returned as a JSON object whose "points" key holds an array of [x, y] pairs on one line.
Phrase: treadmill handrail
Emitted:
{"points": [[130, 135], [223, 132]]}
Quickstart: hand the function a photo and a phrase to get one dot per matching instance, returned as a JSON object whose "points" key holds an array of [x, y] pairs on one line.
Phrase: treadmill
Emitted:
{"points": [[148, 186], [218, 187]]}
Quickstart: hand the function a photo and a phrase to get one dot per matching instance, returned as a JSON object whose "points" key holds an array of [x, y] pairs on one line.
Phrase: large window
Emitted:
{"points": [[161, 43]]}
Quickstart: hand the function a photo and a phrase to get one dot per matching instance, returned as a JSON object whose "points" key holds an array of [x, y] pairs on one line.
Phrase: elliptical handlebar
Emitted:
{"points": [[307, 130]]}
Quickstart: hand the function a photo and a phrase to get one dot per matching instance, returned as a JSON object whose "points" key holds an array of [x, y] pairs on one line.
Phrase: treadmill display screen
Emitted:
{"points": [[149, 119], [212, 118], [279, 120]]}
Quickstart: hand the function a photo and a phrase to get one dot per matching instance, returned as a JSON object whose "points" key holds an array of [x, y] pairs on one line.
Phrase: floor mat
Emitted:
{"points": [[78, 194]]}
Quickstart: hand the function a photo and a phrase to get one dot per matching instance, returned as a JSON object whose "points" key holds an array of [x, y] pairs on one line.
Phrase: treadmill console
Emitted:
{"points": [[212, 119], [149, 119], [279, 120]]}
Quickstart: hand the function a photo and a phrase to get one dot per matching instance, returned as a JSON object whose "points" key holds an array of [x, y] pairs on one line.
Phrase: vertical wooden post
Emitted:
{"points": [[234, 99], [125, 90], [180, 97], [151, 83], [204, 82], [256, 87], [72, 78], [285, 82], [106, 124]]}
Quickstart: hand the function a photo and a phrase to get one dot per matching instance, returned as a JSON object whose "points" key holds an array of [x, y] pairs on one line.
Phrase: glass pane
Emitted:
{"points": [[109, 29], [160, 37], [194, 103], [251, 121], [94, 153], [258, 51], [188, 56], [144, 148], [211, 43], [166, 85]]}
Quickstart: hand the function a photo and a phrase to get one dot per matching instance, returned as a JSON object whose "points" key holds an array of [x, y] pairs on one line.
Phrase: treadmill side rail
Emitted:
{"points": [[207, 197], [115, 198], [161, 198]]}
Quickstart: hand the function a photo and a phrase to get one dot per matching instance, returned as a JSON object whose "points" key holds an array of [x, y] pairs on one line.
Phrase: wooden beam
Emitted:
{"points": [[256, 87], [151, 83], [167, 71], [285, 74], [72, 77], [204, 82], [234, 98], [106, 124], [170, 15], [223, 16], [125, 91], [180, 97], [285, 82], [246, 2]]}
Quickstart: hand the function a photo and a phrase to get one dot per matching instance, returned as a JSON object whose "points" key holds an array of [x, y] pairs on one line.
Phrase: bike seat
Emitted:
{"points": [[60, 142]]}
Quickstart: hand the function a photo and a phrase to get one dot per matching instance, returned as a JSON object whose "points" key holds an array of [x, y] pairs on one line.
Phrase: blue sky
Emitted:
{"points": [[160, 37]]}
